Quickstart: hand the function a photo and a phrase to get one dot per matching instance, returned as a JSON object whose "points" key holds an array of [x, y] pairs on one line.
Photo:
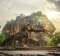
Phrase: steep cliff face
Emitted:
{"points": [[37, 25]]}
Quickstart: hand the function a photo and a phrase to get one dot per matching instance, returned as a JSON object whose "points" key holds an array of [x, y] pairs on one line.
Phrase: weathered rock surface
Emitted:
{"points": [[37, 26]]}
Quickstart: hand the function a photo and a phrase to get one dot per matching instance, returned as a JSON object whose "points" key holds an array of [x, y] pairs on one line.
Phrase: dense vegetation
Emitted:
{"points": [[3, 37], [54, 41]]}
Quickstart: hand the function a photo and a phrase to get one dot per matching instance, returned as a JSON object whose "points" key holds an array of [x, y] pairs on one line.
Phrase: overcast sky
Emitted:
{"points": [[9, 9]]}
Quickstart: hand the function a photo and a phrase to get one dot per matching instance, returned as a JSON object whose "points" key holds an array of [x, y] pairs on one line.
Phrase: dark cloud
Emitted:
{"points": [[57, 3]]}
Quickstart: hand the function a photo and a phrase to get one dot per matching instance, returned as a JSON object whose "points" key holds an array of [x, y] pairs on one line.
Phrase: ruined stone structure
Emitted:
{"points": [[32, 30]]}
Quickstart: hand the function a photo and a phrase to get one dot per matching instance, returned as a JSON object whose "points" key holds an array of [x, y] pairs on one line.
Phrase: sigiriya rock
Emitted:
{"points": [[29, 31]]}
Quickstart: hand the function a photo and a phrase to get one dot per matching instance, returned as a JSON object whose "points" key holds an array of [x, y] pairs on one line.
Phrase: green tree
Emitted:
{"points": [[55, 40], [3, 38]]}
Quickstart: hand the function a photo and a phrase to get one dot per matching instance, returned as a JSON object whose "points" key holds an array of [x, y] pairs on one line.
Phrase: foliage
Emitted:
{"points": [[55, 40], [3, 38], [52, 42]]}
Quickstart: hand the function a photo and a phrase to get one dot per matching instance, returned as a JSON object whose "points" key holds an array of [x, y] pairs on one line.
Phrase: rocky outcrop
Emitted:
{"points": [[37, 26]]}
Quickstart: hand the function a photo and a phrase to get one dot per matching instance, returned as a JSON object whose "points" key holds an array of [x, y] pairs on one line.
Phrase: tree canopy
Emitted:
{"points": [[55, 40], [3, 38]]}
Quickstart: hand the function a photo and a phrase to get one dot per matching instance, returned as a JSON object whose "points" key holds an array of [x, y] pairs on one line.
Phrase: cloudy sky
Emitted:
{"points": [[9, 9]]}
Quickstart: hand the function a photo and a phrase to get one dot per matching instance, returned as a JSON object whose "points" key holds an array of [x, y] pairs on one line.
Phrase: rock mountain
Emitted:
{"points": [[31, 30]]}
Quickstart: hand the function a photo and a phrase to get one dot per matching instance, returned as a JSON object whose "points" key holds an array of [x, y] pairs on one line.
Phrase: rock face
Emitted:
{"points": [[32, 30]]}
